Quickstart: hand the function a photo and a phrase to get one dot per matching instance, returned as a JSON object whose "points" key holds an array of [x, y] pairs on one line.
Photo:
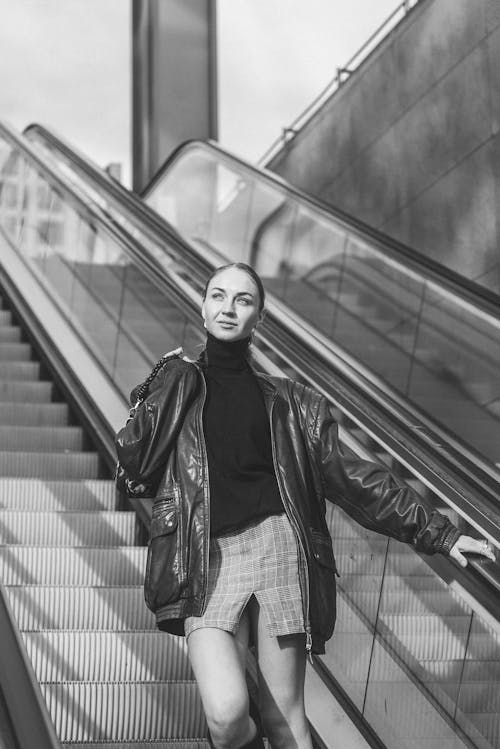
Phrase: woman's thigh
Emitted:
{"points": [[218, 660], [281, 666]]}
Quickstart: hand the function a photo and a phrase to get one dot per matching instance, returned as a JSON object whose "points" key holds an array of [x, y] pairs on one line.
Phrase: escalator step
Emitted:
{"points": [[359, 582], [5, 316], [68, 528], [50, 465], [409, 601], [108, 656], [488, 725], [115, 609], [14, 352], [24, 565], [26, 392], [38, 495], [24, 370], [482, 694], [83, 711], [44, 438], [174, 744], [354, 557], [9, 334], [34, 414]]}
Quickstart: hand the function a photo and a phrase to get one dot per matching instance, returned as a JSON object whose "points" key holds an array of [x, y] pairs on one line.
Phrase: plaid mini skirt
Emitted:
{"points": [[260, 560]]}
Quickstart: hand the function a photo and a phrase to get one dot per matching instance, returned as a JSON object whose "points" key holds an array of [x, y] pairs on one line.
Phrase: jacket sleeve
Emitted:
{"points": [[144, 443], [373, 496]]}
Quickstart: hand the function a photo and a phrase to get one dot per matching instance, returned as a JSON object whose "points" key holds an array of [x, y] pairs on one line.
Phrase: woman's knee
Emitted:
{"points": [[228, 720]]}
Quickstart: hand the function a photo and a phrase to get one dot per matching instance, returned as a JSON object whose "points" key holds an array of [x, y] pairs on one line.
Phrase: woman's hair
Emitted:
{"points": [[246, 269]]}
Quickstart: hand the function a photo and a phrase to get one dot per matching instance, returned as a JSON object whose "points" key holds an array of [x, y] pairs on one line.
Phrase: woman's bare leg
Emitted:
{"points": [[218, 660], [281, 662]]}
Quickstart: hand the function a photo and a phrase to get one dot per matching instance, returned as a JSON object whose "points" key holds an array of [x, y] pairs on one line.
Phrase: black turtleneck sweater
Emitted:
{"points": [[243, 485]]}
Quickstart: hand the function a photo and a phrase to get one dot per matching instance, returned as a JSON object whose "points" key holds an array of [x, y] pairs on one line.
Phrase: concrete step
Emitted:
{"points": [[67, 528], [49, 465], [34, 414], [25, 565], [38, 495], [41, 438]]}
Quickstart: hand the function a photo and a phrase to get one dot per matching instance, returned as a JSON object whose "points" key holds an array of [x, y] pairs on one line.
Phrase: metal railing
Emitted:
{"points": [[342, 74]]}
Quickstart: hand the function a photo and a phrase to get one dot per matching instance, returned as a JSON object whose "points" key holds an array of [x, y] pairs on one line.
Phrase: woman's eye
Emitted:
{"points": [[217, 295], [245, 301]]}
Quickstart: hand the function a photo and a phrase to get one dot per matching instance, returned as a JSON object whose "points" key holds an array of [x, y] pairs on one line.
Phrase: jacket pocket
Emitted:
{"points": [[323, 585], [323, 550], [163, 578]]}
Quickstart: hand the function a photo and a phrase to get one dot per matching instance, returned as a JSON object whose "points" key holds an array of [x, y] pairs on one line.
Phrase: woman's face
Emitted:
{"points": [[231, 307]]}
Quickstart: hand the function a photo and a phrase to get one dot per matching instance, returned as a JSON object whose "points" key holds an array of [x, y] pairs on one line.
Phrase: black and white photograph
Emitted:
{"points": [[250, 374]]}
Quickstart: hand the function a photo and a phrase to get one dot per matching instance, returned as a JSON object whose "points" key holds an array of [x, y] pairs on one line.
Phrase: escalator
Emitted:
{"points": [[416, 655], [426, 332]]}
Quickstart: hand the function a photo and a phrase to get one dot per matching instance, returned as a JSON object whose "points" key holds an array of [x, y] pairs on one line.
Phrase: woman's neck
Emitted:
{"points": [[227, 354]]}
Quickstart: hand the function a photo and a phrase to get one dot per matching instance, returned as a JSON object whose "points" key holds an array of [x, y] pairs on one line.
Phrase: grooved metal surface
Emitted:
{"points": [[45, 438], [67, 528], [67, 566], [34, 414], [37, 494], [19, 370], [9, 333], [126, 712], [107, 656], [174, 744], [49, 465], [116, 609], [12, 350], [23, 392]]}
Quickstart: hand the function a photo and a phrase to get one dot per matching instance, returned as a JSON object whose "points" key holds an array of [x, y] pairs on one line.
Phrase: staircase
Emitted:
{"points": [[73, 572]]}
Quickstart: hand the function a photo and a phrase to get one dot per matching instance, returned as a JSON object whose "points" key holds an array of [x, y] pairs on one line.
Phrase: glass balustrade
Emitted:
{"points": [[417, 658], [104, 295], [435, 348]]}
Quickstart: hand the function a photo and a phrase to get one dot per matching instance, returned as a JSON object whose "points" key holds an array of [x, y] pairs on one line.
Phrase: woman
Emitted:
{"points": [[240, 464]]}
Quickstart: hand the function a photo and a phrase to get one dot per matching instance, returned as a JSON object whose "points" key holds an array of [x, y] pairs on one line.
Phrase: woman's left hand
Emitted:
{"points": [[468, 545]]}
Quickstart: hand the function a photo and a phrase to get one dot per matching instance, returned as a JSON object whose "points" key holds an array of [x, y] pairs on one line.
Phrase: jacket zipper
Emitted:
{"points": [[295, 527], [206, 540], [182, 566]]}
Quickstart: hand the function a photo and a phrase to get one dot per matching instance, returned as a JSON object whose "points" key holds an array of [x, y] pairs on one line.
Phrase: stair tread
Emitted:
{"points": [[127, 712]]}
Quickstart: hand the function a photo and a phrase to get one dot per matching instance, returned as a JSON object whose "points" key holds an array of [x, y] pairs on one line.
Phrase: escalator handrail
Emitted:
{"points": [[377, 386], [457, 285]]}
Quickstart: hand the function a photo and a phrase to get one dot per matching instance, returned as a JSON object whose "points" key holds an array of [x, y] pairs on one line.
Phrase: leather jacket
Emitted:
{"points": [[163, 445]]}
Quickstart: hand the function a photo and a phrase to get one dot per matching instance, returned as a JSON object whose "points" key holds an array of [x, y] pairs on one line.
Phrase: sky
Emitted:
{"points": [[67, 63]]}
